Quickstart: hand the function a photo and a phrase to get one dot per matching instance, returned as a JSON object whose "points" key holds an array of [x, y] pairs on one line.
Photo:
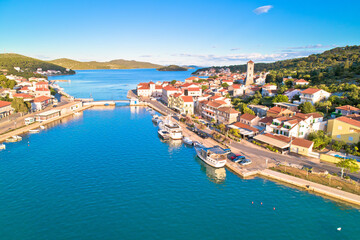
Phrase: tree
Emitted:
{"points": [[348, 164], [280, 98], [307, 107], [337, 145], [222, 127], [320, 139], [225, 85], [204, 87], [19, 105], [243, 108], [173, 82]]}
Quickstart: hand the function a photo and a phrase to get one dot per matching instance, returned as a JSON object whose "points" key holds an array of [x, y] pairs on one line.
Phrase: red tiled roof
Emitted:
{"points": [[193, 89], [348, 108], [349, 121], [301, 80], [41, 83], [41, 99], [229, 110], [248, 116], [245, 126], [22, 95], [170, 88], [302, 142], [278, 137], [310, 91], [4, 104], [42, 89], [187, 98], [276, 109], [266, 120]]}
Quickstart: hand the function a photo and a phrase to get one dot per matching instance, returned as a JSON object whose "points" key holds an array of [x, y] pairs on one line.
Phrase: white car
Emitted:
{"points": [[245, 162]]}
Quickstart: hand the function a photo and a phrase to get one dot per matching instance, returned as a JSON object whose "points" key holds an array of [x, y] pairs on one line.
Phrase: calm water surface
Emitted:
{"points": [[107, 175]]}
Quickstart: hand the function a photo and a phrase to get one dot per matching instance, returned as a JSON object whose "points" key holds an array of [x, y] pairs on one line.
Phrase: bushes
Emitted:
{"points": [[272, 149]]}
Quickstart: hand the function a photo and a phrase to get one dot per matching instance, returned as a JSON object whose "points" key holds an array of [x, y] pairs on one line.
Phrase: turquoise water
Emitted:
{"points": [[107, 175], [114, 84]]}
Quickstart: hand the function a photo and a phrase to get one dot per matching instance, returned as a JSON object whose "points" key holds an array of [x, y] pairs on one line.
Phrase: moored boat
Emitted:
{"points": [[174, 130], [14, 139], [42, 127], [164, 134], [187, 141], [155, 119], [214, 156], [2, 146], [34, 130]]}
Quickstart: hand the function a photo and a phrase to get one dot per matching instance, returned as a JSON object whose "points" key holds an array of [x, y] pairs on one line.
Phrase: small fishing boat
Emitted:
{"points": [[2, 146], [42, 127], [214, 156], [155, 119], [164, 134], [187, 141], [14, 139], [34, 130]]}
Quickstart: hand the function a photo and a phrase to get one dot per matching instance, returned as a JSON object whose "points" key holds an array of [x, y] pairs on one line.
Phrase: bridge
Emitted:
{"points": [[106, 102]]}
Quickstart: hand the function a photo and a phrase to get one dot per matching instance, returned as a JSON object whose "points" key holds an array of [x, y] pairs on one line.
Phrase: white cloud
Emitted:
{"points": [[263, 9], [316, 46]]}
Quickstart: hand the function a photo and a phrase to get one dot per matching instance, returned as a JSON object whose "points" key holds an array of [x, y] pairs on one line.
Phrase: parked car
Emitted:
{"points": [[245, 162], [237, 156]]}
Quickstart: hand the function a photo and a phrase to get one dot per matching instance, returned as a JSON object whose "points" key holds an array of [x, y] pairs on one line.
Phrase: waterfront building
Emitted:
{"points": [[39, 103], [24, 96], [313, 95], [167, 91], [40, 117], [5, 109], [345, 128]]}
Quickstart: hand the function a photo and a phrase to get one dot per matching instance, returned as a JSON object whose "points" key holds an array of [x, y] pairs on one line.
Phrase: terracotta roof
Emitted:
{"points": [[215, 104], [4, 104], [236, 86], [315, 115], [192, 78], [22, 95], [248, 116], [301, 80], [245, 126], [187, 98], [266, 120], [349, 121], [302, 142], [278, 137], [42, 89], [41, 99], [310, 91], [276, 109], [250, 61], [41, 83], [194, 89], [348, 108], [170, 88], [229, 110], [177, 94]]}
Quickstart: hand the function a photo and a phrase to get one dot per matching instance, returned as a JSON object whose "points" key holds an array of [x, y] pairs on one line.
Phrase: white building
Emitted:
{"points": [[313, 95]]}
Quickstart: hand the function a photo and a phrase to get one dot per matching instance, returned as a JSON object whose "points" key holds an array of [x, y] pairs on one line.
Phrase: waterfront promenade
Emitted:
{"points": [[259, 166]]}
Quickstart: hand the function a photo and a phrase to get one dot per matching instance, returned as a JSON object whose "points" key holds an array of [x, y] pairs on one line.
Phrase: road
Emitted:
{"points": [[258, 155]]}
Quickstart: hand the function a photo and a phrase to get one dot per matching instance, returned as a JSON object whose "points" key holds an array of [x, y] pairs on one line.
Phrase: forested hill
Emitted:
{"points": [[341, 63], [27, 64], [114, 64]]}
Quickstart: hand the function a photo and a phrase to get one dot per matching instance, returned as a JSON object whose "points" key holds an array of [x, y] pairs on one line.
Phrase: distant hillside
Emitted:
{"points": [[27, 64], [114, 64], [337, 64], [172, 68]]}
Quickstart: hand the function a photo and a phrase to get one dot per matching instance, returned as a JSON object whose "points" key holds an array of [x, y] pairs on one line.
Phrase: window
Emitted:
{"points": [[351, 138], [338, 136], [339, 127]]}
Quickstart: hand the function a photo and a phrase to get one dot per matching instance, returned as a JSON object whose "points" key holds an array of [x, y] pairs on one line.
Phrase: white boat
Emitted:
{"points": [[164, 134], [187, 141], [77, 113], [155, 119], [2, 146], [42, 127], [14, 139], [173, 128], [34, 130], [214, 156]]}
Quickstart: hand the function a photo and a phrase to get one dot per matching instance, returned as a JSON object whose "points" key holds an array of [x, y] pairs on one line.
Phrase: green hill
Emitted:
{"points": [[172, 68], [28, 65], [341, 64], [114, 64]]}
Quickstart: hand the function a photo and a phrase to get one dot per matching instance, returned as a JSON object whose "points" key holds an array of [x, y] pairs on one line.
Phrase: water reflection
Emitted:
{"points": [[215, 175]]}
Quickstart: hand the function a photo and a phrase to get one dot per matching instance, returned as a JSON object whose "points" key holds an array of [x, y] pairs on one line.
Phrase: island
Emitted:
{"points": [[172, 68]]}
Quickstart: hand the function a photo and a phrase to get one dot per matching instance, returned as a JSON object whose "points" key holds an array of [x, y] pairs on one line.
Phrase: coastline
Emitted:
{"points": [[306, 185]]}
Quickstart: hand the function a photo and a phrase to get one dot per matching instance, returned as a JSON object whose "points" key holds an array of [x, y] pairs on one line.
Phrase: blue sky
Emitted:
{"points": [[205, 32]]}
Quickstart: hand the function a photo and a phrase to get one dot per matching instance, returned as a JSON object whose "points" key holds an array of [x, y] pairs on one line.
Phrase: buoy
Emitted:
{"points": [[274, 208], [252, 202], [261, 203], [339, 228]]}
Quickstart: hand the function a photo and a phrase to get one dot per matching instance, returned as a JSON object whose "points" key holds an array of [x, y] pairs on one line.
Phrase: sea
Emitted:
{"points": [[105, 174]]}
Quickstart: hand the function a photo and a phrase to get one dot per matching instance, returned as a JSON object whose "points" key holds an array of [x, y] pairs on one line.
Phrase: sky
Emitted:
{"points": [[197, 32]]}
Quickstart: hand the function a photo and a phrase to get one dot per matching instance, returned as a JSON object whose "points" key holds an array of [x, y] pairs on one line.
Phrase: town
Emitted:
{"points": [[226, 106]]}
